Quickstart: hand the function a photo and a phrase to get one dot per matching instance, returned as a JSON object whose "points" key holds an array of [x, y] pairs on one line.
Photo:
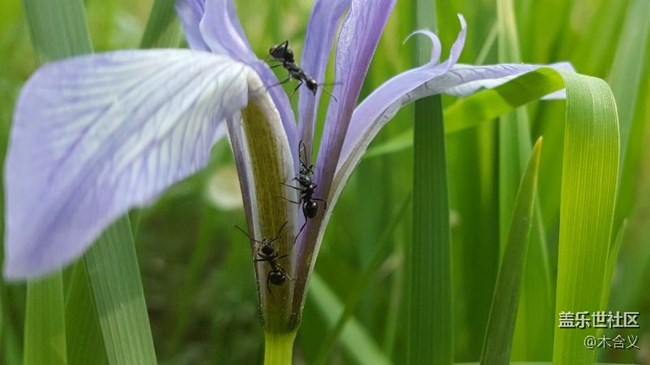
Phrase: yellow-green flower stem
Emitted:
{"points": [[278, 348]]}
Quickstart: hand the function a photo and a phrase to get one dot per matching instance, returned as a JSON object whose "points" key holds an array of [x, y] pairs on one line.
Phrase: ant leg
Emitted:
{"points": [[300, 231], [291, 186], [289, 200], [280, 83], [268, 287], [296, 89], [287, 274]]}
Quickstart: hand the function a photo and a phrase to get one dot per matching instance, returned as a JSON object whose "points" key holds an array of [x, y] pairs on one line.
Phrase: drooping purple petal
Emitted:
{"points": [[321, 29], [466, 79], [191, 12], [96, 135], [357, 42]]}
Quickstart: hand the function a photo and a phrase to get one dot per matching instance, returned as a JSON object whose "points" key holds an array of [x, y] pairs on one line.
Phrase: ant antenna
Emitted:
{"points": [[262, 242], [330, 94]]}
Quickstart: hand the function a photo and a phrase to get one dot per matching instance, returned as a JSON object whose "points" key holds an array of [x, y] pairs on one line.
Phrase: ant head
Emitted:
{"points": [[312, 85], [267, 247]]}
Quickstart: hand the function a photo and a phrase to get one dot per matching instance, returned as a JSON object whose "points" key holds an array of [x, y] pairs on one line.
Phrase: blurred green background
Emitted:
{"points": [[196, 267]]}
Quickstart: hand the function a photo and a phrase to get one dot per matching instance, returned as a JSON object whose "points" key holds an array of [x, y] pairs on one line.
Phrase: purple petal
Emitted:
{"points": [[382, 104], [96, 135], [191, 12], [357, 43], [318, 45], [223, 33]]}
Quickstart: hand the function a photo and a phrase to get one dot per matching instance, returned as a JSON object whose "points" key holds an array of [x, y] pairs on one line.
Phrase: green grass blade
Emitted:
{"points": [[354, 337], [85, 341], [501, 323], [633, 202], [429, 302], [589, 178], [626, 79], [428, 266], [57, 28], [163, 27], [114, 277], [627, 70], [44, 322]]}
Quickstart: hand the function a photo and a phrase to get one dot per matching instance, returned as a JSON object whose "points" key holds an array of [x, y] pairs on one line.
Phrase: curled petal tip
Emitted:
{"points": [[435, 44], [461, 18]]}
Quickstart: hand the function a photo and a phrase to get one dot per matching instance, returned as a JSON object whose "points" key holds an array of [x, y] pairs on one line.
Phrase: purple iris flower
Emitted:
{"points": [[96, 135]]}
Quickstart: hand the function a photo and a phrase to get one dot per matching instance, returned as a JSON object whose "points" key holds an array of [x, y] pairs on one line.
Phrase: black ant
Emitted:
{"points": [[306, 188], [267, 252], [284, 54]]}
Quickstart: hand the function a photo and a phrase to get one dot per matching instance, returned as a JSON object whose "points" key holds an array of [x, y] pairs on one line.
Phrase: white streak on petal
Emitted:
{"points": [[96, 135]]}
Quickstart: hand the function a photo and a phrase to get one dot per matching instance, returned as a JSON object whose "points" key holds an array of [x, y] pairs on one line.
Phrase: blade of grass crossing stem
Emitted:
{"points": [[163, 28], [589, 178], [44, 322], [429, 336], [501, 323], [354, 338]]}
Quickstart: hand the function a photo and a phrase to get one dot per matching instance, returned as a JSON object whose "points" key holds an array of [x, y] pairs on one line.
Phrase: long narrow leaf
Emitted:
{"points": [[354, 337], [429, 304], [57, 28], [163, 28], [589, 178], [44, 322], [501, 324], [115, 280]]}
